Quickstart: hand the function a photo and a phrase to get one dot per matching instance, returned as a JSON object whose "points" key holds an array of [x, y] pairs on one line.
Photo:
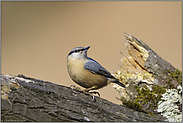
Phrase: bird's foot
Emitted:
{"points": [[91, 94], [73, 87], [95, 92]]}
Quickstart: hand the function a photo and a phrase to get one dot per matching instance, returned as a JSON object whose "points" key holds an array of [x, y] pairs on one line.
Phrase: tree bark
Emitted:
{"points": [[146, 76], [28, 99], [150, 61]]}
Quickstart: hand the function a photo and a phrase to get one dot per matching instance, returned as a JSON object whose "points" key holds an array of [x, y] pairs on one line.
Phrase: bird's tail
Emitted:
{"points": [[114, 80], [119, 83]]}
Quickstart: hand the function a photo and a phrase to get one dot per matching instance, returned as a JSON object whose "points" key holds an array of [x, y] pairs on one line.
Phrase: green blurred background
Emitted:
{"points": [[37, 36]]}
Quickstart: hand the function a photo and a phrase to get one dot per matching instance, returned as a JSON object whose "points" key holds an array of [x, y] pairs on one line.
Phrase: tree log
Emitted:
{"points": [[27, 99], [146, 75], [150, 61]]}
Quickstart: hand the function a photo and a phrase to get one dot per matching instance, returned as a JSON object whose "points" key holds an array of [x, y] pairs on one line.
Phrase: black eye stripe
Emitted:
{"points": [[75, 51], [78, 50]]}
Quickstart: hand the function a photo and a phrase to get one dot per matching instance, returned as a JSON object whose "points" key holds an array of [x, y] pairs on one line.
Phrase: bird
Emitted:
{"points": [[87, 72]]}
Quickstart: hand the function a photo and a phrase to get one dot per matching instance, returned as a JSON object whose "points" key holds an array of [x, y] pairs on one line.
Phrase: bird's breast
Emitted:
{"points": [[84, 77]]}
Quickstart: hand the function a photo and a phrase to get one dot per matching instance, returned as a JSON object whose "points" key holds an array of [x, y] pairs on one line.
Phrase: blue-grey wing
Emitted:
{"points": [[94, 67]]}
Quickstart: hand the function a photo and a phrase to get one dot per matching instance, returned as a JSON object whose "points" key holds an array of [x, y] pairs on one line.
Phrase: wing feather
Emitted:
{"points": [[94, 67]]}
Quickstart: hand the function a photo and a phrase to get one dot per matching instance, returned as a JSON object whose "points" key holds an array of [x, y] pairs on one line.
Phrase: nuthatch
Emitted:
{"points": [[87, 72]]}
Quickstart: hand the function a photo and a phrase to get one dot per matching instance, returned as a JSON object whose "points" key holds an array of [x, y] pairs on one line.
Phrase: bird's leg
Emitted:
{"points": [[95, 92], [86, 91], [91, 88]]}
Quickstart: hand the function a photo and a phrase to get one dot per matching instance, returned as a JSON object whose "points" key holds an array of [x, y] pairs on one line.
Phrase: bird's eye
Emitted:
{"points": [[78, 50]]}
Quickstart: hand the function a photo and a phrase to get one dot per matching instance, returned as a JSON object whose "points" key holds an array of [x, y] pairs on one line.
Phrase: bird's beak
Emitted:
{"points": [[87, 48]]}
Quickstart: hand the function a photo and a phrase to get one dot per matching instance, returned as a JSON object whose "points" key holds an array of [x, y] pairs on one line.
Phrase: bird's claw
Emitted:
{"points": [[90, 93], [93, 98], [95, 92], [73, 87]]}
